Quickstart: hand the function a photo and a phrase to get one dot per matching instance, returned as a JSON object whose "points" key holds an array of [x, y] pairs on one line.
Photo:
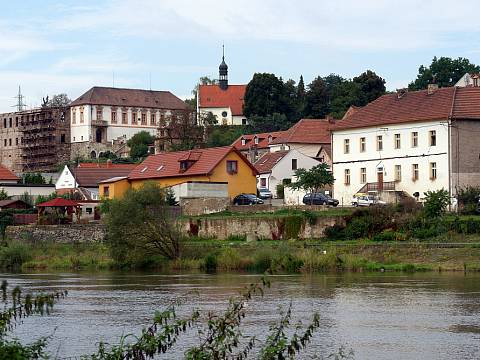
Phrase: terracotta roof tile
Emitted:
{"points": [[307, 131], [467, 103], [211, 96], [262, 140], [90, 177], [98, 95], [266, 163], [6, 174], [106, 166], [167, 164], [392, 109]]}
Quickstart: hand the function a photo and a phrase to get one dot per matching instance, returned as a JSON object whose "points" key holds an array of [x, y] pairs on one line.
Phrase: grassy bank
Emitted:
{"points": [[239, 255]]}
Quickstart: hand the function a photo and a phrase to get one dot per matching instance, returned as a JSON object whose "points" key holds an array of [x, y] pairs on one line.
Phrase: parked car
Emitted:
{"points": [[366, 200], [247, 199], [264, 193], [319, 199]]}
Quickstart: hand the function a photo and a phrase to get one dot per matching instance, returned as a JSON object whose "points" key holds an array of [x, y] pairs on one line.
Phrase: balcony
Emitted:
{"points": [[100, 123], [378, 186]]}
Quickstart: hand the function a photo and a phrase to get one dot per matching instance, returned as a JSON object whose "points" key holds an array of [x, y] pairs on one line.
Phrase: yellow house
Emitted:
{"points": [[220, 164]]}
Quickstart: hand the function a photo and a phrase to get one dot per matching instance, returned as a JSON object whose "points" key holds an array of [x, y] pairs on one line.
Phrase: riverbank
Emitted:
{"points": [[446, 253]]}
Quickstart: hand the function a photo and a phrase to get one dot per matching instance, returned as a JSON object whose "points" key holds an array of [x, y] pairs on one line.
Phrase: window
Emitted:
{"points": [[244, 121], [5, 142], [124, 118], [346, 146], [9, 142], [152, 119], [99, 115], [397, 141], [363, 144], [263, 182], [433, 170], [379, 143], [398, 173], [81, 116], [74, 117], [232, 166], [244, 142], [10, 122], [414, 139], [114, 117], [347, 177], [134, 115], [4, 123], [62, 138], [255, 140], [16, 141], [270, 138], [433, 138], [224, 114], [294, 164], [363, 175], [144, 119], [414, 172], [16, 122], [106, 191]]}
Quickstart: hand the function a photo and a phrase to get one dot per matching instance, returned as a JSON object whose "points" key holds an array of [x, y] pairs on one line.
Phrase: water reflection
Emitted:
{"points": [[384, 316]]}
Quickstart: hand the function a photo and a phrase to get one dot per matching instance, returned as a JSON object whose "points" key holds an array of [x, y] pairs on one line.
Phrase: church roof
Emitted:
{"points": [[212, 96]]}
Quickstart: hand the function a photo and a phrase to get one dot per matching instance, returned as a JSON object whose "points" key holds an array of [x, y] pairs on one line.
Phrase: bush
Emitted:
{"points": [[229, 259], [335, 232], [385, 235], [468, 199], [262, 261], [210, 263], [280, 191], [14, 255], [436, 202]]}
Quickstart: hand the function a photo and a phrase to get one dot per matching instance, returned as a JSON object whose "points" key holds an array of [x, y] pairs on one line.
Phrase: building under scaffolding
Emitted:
{"points": [[35, 140]]}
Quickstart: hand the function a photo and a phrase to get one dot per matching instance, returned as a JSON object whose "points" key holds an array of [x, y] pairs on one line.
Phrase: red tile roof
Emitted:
{"points": [[98, 95], [6, 174], [394, 109], [168, 164], [467, 103], [90, 177], [307, 131], [266, 163], [211, 96], [58, 202], [262, 140]]}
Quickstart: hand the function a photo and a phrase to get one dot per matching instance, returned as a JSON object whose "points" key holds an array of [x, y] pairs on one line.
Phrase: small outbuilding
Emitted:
{"points": [[58, 211], [14, 204]]}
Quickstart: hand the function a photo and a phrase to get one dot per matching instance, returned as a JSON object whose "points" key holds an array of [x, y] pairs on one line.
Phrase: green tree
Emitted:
{"points": [[447, 72], [371, 85], [265, 95], [192, 102], [274, 122], [316, 99], [344, 95], [312, 180], [59, 100], [300, 97], [140, 225], [223, 135], [33, 178], [3, 195], [436, 203], [138, 144]]}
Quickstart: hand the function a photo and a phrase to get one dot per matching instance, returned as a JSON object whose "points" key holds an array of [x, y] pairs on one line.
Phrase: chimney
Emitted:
{"points": [[330, 119], [401, 92], [109, 163], [431, 88]]}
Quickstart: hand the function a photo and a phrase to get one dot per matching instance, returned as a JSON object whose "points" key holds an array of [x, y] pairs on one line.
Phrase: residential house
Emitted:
{"points": [[254, 146], [223, 100], [279, 167], [469, 80], [311, 137], [13, 204], [104, 118], [85, 177], [7, 176], [213, 165], [409, 143]]}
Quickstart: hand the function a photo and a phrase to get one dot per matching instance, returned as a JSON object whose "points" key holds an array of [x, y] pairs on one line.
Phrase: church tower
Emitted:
{"points": [[223, 72]]}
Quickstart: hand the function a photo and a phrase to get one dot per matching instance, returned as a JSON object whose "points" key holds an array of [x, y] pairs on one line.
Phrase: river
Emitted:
{"points": [[376, 315]]}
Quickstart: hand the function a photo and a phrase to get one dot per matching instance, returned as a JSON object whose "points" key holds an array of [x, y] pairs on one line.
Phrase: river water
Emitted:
{"points": [[377, 316]]}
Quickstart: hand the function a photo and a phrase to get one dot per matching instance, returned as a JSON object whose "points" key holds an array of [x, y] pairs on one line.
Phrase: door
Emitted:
{"points": [[380, 180]]}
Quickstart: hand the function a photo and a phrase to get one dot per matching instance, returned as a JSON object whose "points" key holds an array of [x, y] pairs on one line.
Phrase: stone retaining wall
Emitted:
{"points": [[57, 233]]}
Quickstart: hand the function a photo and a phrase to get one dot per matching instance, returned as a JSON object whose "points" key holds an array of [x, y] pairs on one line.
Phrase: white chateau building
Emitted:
{"points": [[103, 118], [224, 101], [408, 143]]}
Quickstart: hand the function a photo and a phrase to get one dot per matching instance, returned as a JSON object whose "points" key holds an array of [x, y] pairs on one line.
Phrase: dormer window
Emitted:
{"points": [[185, 165], [244, 142], [255, 140], [270, 138]]}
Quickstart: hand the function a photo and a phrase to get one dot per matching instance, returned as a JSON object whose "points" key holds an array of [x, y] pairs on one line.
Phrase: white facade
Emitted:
{"points": [[224, 116], [467, 80], [284, 169], [66, 180], [117, 121], [415, 156], [306, 149]]}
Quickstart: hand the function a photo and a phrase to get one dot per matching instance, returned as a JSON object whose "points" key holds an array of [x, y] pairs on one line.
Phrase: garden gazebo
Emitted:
{"points": [[62, 211]]}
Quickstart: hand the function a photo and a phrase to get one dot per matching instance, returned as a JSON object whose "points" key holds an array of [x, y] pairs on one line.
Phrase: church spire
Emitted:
{"points": [[223, 72]]}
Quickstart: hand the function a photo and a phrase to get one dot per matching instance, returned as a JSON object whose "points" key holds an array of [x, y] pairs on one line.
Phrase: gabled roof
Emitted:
{"points": [[467, 103], [168, 164], [58, 202], [262, 140], [4, 203], [7, 175], [394, 109], [212, 96], [106, 165], [307, 131], [267, 162], [98, 95], [90, 177]]}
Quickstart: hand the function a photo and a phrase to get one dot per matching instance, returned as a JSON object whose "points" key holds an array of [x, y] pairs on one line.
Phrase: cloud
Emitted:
{"points": [[350, 25]]}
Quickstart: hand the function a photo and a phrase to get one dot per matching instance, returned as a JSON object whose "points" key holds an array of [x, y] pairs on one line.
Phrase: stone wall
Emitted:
{"points": [[202, 206], [57, 233], [259, 228]]}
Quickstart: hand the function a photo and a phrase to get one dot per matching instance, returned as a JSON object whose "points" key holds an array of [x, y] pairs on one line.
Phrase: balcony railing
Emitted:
{"points": [[99, 122], [378, 186]]}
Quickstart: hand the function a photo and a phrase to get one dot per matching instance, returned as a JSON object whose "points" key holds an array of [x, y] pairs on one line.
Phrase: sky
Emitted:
{"points": [[49, 47]]}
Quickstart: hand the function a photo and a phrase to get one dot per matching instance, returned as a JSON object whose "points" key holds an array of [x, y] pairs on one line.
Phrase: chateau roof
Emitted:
{"points": [[98, 95]]}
